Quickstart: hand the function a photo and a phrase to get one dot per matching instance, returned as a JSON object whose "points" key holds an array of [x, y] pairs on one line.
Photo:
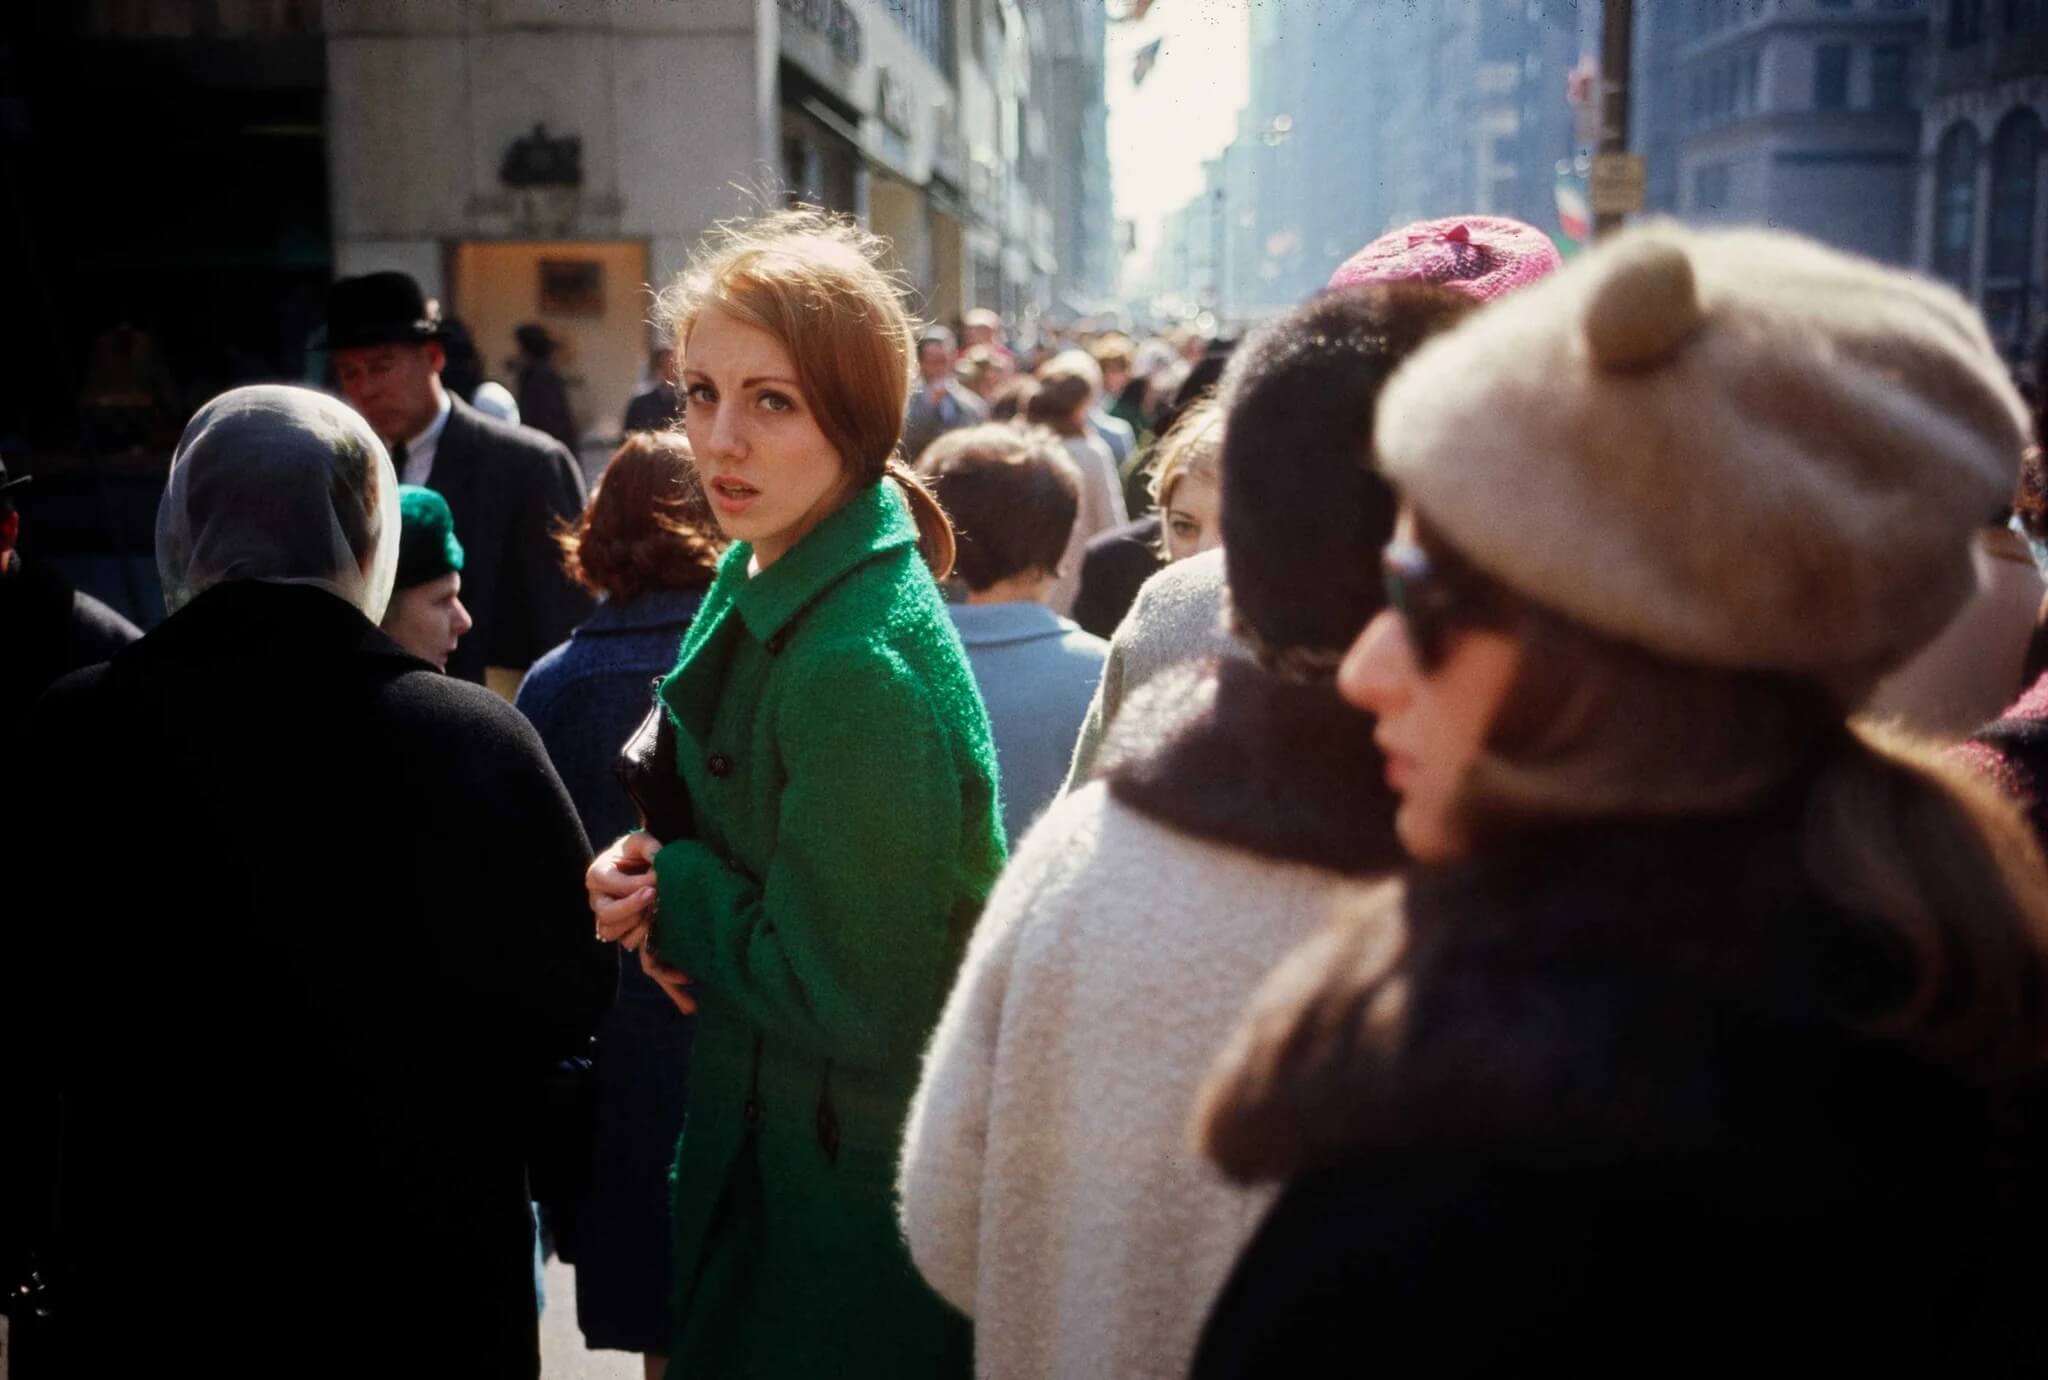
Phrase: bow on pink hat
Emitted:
{"points": [[1480, 256]]}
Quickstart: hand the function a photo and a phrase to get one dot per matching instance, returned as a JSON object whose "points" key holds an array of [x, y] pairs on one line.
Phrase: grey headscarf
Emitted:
{"points": [[284, 485]]}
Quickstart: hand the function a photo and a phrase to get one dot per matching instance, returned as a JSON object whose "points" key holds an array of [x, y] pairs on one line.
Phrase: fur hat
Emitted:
{"points": [[1480, 256], [1736, 448], [1303, 515]]}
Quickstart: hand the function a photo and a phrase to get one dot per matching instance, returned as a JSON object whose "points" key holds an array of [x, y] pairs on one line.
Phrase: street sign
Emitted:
{"points": [[1617, 183]]}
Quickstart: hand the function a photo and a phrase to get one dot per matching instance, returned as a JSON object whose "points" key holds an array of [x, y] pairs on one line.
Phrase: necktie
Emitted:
{"points": [[398, 460]]}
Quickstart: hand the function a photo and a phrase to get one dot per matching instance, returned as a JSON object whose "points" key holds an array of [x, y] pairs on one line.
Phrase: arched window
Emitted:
{"points": [[2015, 164], [1955, 204]]}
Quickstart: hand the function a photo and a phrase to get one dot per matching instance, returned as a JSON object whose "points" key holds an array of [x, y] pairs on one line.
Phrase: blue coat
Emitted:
{"points": [[586, 697], [1037, 673]]}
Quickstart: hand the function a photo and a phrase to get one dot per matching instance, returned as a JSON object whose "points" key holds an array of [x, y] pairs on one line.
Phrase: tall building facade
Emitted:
{"points": [[905, 113], [1804, 114], [197, 171], [1981, 215], [1364, 115]]}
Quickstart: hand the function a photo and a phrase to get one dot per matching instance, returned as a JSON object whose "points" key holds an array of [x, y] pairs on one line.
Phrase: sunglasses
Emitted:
{"points": [[1431, 607]]}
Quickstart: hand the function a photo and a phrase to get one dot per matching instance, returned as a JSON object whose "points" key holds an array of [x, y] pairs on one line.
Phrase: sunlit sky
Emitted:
{"points": [[1186, 112]]}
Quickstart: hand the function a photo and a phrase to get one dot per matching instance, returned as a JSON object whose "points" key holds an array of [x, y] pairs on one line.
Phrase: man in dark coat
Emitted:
{"points": [[1113, 566], [543, 394], [656, 407], [46, 626], [507, 485]]}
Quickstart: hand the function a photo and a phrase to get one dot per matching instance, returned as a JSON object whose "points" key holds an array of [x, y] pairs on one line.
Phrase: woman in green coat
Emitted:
{"points": [[842, 786]]}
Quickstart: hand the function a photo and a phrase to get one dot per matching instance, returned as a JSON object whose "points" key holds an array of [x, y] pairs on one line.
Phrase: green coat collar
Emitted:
{"points": [[874, 521]]}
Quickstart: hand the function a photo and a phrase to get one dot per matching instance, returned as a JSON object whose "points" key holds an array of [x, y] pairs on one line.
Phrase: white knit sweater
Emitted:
{"points": [[1048, 1187]]}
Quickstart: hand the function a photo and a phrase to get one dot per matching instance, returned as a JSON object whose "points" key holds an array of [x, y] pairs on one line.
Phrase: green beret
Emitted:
{"points": [[427, 548]]}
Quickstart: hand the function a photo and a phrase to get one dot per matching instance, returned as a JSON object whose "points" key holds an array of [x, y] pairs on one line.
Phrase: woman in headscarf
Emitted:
{"points": [[287, 1013]]}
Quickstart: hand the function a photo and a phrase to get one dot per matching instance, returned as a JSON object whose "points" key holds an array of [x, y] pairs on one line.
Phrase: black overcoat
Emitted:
{"points": [[508, 487], [305, 928], [1601, 1106]]}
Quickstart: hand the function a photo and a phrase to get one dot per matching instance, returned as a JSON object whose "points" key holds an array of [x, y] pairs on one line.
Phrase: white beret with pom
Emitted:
{"points": [[1737, 448]]}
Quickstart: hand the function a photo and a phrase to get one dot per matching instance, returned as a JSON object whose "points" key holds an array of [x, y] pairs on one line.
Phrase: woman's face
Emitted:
{"points": [[769, 472], [1432, 722], [428, 620], [1191, 517]]}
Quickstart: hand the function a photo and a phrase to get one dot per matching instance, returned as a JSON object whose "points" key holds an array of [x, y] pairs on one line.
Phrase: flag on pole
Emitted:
{"points": [[1147, 56], [1574, 211]]}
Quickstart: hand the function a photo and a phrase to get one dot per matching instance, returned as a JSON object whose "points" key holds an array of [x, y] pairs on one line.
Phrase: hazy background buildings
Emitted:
{"points": [[1910, 130]]}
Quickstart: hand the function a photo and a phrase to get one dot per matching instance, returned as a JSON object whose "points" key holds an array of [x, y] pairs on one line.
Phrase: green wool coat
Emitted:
{"points": [[842, 775]]}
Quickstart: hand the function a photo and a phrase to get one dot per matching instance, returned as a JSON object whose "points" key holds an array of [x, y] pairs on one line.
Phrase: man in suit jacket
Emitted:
{"points": [[507, 485], [940, 404]]}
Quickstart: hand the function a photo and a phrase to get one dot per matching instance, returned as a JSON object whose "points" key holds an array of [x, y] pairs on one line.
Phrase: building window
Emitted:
{"points": [[1710, 187], [1831, 76], [1955, 204], [1965, 23], [1890, 69], [2015, 166]]}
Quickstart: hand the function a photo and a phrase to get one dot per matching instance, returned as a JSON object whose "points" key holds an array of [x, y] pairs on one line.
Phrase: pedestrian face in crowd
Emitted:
{"points": [[1436, 689], [1192, 523], [934, 362], [429, 619], [767, 468], [397, 388]]}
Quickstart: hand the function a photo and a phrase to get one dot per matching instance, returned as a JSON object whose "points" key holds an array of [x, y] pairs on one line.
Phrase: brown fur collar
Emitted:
{"points": [[1570, 999], [1227, 752]]}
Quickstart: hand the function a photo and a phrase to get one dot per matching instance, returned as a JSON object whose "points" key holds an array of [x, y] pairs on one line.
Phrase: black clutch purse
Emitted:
{"points": [[647, 769]]}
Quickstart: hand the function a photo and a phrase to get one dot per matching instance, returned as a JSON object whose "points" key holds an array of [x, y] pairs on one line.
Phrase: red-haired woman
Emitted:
{"points": [[842, 780]]}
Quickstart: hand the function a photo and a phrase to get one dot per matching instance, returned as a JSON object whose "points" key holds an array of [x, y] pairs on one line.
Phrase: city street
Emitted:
{"points": [[562, 1354]]}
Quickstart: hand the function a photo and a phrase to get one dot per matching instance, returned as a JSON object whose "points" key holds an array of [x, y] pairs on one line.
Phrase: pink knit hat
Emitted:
{"points": [[1480, 256]]}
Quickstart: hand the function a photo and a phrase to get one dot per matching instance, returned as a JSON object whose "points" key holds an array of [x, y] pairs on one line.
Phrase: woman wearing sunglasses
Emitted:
{"points": [[1707, 1035]]}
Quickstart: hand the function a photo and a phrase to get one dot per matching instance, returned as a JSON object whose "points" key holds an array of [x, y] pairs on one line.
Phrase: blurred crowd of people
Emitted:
{"points": [[1496, 821]]}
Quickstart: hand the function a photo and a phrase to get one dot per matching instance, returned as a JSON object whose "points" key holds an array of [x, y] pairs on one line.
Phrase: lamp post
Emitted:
{"points": [[1617, 45]]}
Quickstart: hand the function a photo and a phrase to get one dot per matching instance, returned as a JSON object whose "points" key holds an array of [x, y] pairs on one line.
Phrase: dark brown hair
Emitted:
{"points": [[1060, 395], [647, 526], [812, 279], [1892, 830], [1012, 493]]}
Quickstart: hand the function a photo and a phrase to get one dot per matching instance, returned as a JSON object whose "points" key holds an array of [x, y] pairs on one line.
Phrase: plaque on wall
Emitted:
{"points": [[571, 287]]}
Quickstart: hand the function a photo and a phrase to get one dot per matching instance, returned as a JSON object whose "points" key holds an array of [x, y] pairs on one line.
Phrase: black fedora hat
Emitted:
{"points": [[380, 309]]}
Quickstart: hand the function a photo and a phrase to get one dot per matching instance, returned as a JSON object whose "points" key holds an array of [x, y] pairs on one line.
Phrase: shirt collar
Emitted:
{"points": [[432, 435], [875, 520], [992, 625]]}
